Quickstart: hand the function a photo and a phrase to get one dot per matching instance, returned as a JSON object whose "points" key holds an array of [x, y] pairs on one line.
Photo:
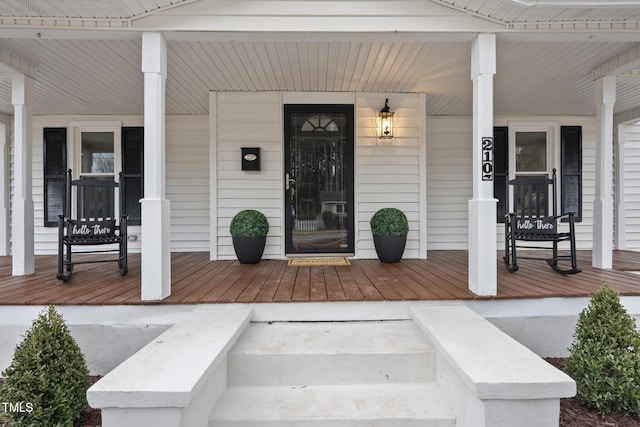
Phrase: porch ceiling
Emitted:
{"points": [[538, 72]]}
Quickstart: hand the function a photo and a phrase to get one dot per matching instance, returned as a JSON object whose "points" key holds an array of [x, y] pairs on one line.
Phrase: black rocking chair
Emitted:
{"points": [[530, 222], [94, 224]]}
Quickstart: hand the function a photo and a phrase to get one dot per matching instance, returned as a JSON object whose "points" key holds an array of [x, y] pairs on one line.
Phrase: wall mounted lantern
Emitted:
{"points": [[385, 121]]}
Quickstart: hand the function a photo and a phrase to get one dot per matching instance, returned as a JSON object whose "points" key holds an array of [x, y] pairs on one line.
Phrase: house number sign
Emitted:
{"points": [[487, 159]]}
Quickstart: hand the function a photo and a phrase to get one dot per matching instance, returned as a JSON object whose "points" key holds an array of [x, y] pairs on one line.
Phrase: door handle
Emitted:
{"points": [[288, 181]]}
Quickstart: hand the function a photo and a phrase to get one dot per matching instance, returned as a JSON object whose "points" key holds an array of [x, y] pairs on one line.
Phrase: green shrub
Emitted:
{"points": [[389, 222], [605, 355], [48, 377], [249, 223]]}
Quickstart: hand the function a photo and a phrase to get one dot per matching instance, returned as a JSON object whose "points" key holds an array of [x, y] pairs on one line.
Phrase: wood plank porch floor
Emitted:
{"points": [[195, 279]]}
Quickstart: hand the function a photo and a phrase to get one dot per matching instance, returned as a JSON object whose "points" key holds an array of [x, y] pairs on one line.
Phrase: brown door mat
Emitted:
{"points": [[312, 262]]}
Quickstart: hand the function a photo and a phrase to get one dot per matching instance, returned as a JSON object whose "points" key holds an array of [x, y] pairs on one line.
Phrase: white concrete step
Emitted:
{"points": [[371, 405], [331, 353]]}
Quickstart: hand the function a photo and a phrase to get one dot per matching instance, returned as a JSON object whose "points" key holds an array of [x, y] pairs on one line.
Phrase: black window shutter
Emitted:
{"points": [[55, 166], [133, 172], [571, 170], [500, 168]]}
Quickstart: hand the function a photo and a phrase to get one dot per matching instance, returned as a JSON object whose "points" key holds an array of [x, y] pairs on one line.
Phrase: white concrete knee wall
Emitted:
{"points": [[545, 326], [104, 347], [473, 412], [502, 383], [182, 371], [107, 335], [548, 336], [545, 336]]}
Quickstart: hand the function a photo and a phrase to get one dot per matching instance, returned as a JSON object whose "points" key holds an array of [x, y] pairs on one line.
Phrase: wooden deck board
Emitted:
{"points": [[196, 279], [270, 286], [301, 286], [351, 290], [284, 292]]}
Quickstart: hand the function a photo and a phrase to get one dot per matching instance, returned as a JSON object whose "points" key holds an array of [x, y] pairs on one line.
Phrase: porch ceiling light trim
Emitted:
{"points": [[576, 3], [385, 121]]}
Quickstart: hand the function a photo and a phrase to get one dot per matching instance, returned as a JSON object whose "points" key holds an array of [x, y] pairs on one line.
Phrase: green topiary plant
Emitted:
{"points": [[47, 381], [389, 222], [605, 355], [249, 223]]}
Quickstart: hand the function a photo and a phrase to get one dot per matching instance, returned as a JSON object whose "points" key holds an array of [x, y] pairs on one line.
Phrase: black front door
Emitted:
{"points": [[319, 179]]}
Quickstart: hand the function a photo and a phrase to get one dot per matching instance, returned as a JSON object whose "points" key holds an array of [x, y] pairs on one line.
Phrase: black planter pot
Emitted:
{"points": [[390, 248], [249, 249]]}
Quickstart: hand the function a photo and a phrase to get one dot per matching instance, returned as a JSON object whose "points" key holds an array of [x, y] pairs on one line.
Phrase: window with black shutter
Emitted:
{"points": [[133, 171], [96, 163], [571, 170], [55, 166]]}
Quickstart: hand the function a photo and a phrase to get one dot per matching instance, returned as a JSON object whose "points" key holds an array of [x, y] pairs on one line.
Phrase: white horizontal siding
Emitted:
{"points": [[187, 182], [249, 120], [386, 175], [187, 185], [387, 172], [46, 238], [631, 186], [449, 179]]}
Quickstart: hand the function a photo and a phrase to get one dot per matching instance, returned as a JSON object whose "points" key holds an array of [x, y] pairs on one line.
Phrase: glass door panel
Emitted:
{"points": [[319, 178]]}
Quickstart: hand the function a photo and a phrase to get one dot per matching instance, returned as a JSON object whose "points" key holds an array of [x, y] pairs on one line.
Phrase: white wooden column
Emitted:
{"points": [[602, 256], [482, 208], [213, 175], [156, 250], [4, 191], [22, 211]]}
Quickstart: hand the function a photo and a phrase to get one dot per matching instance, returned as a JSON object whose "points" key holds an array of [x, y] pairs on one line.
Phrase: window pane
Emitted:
{"points": [[97, 152], [531, 151]]}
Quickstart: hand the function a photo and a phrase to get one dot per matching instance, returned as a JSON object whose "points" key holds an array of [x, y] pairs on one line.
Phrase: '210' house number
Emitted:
{"points": [[487, 159]]}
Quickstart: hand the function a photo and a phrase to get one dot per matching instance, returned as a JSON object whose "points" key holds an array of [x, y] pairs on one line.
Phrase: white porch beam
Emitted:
{"points": [[22, 213], [632, 76], [623, 63], [602, 256], [483, 273], [12, 64], [577, 3], [625, 116], [156, 251]]}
